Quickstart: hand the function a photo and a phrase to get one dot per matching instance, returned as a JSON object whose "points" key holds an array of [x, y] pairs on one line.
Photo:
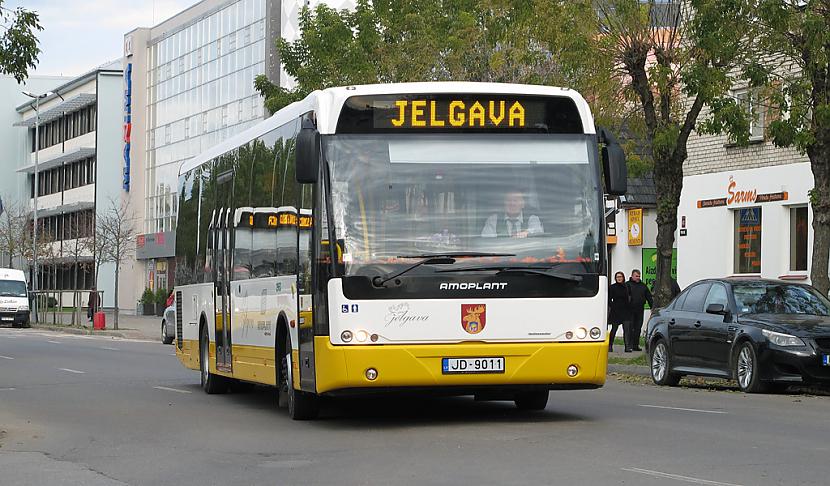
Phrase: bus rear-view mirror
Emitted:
{"points": [[613, 164], [308, 154]]}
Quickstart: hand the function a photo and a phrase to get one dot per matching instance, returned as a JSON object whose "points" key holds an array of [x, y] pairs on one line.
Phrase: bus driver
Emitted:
{"points": [[512, 223]]}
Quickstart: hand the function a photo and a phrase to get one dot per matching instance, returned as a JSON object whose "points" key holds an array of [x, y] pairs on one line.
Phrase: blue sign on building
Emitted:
{"points": [[128, 125]]}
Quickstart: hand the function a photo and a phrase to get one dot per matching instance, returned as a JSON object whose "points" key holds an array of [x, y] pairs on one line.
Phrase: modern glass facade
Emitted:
{"points": [[199, 92]]}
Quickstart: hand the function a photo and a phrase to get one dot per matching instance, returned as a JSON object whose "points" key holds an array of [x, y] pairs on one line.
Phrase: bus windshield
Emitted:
{"points": [[534, 196]]}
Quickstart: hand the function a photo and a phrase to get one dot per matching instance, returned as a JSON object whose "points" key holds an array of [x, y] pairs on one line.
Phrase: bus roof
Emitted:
{"points": [[328, 103]]}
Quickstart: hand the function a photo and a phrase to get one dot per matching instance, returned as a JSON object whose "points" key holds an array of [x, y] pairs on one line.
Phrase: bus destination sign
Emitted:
{"points": [[448, 113], [451, 113]]}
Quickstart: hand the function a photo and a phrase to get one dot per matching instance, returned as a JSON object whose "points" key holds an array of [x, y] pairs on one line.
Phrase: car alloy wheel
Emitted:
{"points": [[659, 362], [745, 367]]}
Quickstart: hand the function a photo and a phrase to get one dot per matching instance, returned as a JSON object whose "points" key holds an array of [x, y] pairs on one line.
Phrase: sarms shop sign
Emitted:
{"points": [[736, 194]]}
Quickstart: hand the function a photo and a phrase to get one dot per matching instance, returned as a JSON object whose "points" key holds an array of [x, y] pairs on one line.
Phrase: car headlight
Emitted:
{"points": [[23, 308], [780, 339]]}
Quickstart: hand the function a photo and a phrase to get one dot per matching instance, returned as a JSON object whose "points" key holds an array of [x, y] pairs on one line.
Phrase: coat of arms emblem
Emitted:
{"points": [[473, 317]]}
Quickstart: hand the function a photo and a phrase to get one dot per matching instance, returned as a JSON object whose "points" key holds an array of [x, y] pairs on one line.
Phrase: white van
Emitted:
{"points": [[14, 298]]}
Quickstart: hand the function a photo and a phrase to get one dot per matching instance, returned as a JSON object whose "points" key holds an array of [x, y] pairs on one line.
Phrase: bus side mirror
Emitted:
{"points": [[308, 153], [613, 164]]}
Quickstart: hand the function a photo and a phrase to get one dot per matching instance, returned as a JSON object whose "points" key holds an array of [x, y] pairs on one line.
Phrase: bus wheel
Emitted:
{"points": [[301, 405], [211, 383], [532, 400]]}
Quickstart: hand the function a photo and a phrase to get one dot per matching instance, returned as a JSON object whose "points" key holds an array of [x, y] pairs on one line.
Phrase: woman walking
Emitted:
{"points": [[619, 303]]}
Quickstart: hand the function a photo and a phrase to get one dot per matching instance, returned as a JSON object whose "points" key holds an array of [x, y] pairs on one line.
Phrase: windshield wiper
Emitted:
{"points": [[458, 254], [501, 269], [433, 259]]}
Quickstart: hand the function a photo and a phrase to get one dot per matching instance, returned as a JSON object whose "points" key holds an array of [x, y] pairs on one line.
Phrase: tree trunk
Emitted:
{"points": [[115, 317], [668, 178], [819, 155]]}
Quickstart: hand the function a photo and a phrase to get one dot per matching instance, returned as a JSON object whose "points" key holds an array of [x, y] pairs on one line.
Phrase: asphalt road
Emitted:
{"points": [[103, 411]]}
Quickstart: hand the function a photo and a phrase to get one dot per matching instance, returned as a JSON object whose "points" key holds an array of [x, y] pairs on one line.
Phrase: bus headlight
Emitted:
{"points": [[595, 333], [346, 336], [581, 333], [361, 336], [569, 335]]}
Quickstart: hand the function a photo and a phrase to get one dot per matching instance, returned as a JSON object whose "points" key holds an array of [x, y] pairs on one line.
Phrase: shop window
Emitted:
{"points": [[748, 240], [749, 100], [798, 239]]}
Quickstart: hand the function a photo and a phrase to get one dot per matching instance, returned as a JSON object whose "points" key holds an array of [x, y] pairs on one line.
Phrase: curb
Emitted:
{"points": [[88, 332]]}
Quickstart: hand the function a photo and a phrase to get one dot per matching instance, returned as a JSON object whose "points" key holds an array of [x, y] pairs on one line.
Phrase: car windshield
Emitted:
{"points": [[779, 298], [12, 288], [533, 196]]}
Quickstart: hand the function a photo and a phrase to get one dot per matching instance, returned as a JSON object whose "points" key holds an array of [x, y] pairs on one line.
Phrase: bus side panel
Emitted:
{"points": [[197, 304], [256, 314]]}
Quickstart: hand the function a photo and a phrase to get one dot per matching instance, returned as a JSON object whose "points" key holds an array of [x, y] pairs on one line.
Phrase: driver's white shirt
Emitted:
{"points": [[534, 226]]}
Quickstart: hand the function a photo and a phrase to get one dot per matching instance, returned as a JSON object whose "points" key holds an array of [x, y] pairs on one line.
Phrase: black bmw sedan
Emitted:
{"points": [[759, 332]]}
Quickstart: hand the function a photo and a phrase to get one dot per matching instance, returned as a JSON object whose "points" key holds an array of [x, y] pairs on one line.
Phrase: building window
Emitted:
{"points": [[798, 239], [748, 240], [749, 99]]}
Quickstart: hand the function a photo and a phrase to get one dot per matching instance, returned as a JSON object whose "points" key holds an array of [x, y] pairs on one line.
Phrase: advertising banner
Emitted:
{"points": [[635, 227], [650, 266]]}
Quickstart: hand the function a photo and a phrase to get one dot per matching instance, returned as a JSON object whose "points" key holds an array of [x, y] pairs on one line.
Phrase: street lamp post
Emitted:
{"points": [[37, 99]]}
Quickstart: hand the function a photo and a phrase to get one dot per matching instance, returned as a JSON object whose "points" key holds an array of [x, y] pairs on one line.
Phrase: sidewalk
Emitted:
{"points": [[129, 327], [633, 363]]}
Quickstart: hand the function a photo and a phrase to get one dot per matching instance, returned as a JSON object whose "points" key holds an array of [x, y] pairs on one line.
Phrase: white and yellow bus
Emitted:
{"points": [[469, 246]]}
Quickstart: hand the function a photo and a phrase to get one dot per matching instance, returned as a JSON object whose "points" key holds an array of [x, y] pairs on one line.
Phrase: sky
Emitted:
{"points": [[78, 36]]}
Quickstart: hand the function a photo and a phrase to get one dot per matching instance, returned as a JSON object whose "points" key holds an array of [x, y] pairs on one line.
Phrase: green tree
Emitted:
{"points": [[677, 60], [19, 49], [793, 80], [393, 41]]}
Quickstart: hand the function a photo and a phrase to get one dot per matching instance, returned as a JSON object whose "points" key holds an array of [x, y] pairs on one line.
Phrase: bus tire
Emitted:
{"points": [[532, 400], [211, 383], [301, 405], [281, 370]]}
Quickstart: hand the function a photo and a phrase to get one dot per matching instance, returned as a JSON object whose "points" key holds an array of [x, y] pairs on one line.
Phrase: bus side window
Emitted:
{"points": [[209, 275], [242, 252], [207, 195]]}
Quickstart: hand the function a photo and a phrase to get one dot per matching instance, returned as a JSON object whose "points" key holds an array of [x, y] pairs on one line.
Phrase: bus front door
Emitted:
{"points": [[223, 256]]}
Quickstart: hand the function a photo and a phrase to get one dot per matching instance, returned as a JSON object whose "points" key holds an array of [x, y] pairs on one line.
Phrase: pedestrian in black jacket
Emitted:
{"points": [[619, 306], [639, 293]]}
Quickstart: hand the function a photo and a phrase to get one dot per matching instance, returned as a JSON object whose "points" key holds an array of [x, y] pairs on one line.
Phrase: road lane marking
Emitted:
{"points": [[171, 389], [6, 389], [6, 357], [683, 409], [54, 342], [658, 474], [109, 348], [72, 371]]}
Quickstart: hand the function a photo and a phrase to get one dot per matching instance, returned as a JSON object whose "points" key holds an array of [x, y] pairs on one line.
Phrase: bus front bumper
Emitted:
{"points": [[531, 365]]}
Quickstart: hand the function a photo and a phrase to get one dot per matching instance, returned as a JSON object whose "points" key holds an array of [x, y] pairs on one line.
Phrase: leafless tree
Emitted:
{"points": [[14, 241], [99, 246], [117, 225], [77, 233]]}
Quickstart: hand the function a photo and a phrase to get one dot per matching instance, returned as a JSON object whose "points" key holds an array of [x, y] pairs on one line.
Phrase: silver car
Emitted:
{"points": [[168, 325]]}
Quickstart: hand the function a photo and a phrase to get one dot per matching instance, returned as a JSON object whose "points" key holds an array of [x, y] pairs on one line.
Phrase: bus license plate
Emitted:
{"points": [[472, 365], [825, 359]]}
